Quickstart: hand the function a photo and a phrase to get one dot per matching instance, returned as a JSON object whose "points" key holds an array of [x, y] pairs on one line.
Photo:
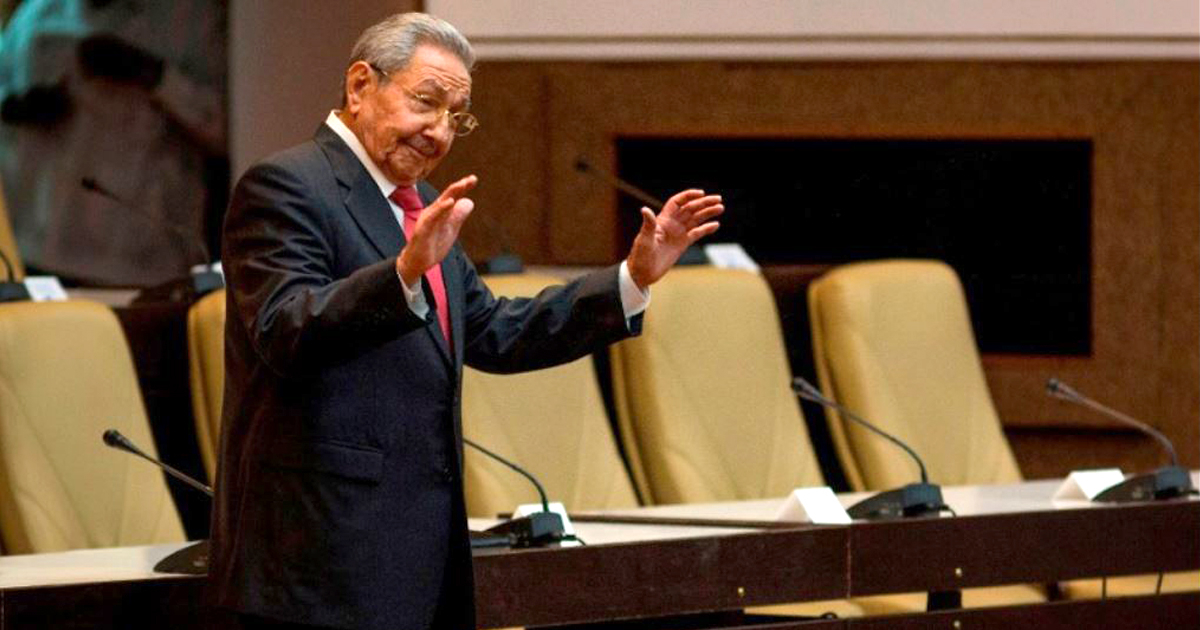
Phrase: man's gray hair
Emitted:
{"points": [[390, 44]]}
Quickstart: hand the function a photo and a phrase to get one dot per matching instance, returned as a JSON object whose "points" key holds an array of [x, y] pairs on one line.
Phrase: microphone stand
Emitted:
{"points": [[537, 529], [693, 255], [1167, 482], [192, 559], [914, 499], [201, 280]]}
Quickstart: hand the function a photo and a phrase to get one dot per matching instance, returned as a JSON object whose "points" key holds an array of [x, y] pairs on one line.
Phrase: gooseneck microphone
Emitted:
{"points": [[513, 465], [192, 559], [914, 499], [1165, 483], [694, 255], [535, 530], [198, 282], [585, 167], [113, 438]]}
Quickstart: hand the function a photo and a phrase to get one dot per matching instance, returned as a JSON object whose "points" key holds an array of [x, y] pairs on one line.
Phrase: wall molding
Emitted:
{"points": [[826, 29]]}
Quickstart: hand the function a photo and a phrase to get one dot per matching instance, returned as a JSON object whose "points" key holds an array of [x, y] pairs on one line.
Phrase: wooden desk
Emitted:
{"points": [[643, 570]]}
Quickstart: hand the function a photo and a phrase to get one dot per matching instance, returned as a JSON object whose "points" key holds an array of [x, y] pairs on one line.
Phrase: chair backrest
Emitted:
{"points": [[8, 245], [703, 398], [206, 368], [552, 422], [892, 341], [65, 376]]}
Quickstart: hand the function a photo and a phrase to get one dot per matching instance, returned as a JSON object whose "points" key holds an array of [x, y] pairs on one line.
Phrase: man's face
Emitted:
{"points": [[401, 119]]}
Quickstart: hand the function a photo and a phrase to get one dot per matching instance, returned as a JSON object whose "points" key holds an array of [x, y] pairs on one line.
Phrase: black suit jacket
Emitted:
{"points": [[339, 494]]}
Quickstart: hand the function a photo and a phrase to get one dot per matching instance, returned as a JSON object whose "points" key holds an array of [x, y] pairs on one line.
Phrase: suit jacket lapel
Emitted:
{"points": [[375, 218], [361, 195]]}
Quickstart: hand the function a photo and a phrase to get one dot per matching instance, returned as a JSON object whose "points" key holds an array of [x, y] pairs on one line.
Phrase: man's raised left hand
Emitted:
{"points": [[685, 219]]}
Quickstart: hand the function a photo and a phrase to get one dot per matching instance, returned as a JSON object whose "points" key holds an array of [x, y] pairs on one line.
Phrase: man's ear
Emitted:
{"points": [[361, 80]]}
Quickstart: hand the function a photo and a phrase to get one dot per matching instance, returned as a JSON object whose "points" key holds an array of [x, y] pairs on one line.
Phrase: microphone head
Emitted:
{"points": [[113, 438], [1059, 389], [804, 388]]}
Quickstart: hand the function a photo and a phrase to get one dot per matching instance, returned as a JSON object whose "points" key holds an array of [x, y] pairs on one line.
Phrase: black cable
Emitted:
{"points": [[525, 473]]}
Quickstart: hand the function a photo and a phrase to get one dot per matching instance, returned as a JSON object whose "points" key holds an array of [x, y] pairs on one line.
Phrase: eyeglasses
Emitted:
{"points": [[432, 108]]}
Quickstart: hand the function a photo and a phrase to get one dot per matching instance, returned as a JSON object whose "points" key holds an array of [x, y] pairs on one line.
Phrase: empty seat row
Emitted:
{"points": [[702, 404]]}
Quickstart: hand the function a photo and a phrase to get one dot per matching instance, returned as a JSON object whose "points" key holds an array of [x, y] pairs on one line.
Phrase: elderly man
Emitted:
{"points": [[351, 313]]}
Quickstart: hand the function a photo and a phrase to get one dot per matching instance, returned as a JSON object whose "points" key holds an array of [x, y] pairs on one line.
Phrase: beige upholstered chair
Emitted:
{"points": [[8, 245], [552, 422], [206, 367], [705, 408], [703, 398], [65, 377], [892, 341]]}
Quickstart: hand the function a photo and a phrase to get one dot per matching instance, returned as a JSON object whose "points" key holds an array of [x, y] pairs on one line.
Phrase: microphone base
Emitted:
{"points": [[693, 255], [915, 499], [191, 560], [1167, 482], [13, 292], [503, 263], [536, 530]]}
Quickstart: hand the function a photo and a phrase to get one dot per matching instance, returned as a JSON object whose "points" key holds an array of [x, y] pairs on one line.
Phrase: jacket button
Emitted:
{"points": [[447, 474]]}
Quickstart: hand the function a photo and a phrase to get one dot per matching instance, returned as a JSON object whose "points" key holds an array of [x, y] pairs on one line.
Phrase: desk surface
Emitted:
{"points": [[91, 565], [638, 569], [1029, 496]]}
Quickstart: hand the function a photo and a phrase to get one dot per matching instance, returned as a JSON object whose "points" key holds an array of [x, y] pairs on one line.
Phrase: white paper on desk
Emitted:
{"points": [[730, 256], [45, 289], [1086, 484], [813, 505], [556, 507]]}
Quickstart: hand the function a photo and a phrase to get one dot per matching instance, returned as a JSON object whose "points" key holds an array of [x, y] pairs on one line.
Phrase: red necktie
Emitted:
{"points": [[412, 205]]}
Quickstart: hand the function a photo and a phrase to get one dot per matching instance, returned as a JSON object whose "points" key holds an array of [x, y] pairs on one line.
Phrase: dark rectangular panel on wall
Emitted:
{"points": [[1012, 216]]}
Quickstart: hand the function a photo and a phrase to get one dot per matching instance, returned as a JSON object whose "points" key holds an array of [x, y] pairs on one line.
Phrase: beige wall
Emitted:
{"points": [[827, 29]]}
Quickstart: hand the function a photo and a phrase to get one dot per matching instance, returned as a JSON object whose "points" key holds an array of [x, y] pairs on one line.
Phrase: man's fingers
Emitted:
{"points": [[649, 223], [451, 195], [462, 209], [700, 232], [680, 199], [697, 205], [439, 210], [707, 213], [459, 188]]}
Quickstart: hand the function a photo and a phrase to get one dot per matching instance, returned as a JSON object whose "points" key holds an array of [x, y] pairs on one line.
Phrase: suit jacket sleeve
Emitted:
{"points": [[278, 254], [561, 324]]}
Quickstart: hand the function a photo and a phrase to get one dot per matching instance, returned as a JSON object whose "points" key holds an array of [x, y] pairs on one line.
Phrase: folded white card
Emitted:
{"points": [[730, 256], [813, 505], [45, 289], [1086, 484]]}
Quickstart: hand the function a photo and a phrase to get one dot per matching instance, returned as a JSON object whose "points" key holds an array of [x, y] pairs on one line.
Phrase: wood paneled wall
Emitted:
{"points": [[1143, 118]]}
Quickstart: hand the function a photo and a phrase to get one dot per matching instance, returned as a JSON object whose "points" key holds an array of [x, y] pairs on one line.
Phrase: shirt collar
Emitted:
{"points": [[385, 185]]}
